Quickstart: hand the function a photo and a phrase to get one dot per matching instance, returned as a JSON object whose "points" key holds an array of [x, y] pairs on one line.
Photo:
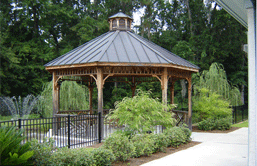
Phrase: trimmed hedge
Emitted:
{"points": [[177, 136], [161, 142], [118, 147], [144, 145], [103, 157], [65, 156], [215, 124]]}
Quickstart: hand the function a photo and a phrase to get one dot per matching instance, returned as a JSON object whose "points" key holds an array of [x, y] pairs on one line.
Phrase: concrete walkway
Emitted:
{"points": [[215, 150]]}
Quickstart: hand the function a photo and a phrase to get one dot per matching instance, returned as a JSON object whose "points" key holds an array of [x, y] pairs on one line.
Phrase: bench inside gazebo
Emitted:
{"points": [[121, 56]]}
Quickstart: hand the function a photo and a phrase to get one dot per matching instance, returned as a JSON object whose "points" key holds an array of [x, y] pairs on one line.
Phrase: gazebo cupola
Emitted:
{"points": [[120, 21]]}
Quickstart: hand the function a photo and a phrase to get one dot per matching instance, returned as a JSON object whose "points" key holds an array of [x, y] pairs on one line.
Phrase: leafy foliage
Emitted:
{"points": [[65, 156], [215, 124], [215, 80], [207, 124], [160, 142], [141, 113], [12, 152], [143, 144], [211, 105], [72, 97], [103, 157], [177, 136], [120, 146], [42, 151]]}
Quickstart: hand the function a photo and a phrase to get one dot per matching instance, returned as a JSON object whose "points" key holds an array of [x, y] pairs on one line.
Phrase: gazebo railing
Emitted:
{"points": [[105, 112], [180, 116]]}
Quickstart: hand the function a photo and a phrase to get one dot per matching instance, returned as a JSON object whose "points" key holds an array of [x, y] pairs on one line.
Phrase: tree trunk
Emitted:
{"points": [[189, 17]]}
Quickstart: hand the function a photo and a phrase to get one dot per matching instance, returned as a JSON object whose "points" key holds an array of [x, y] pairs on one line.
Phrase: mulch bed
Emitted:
{"points": [[195, 129], [158, 155], [169, 150]]}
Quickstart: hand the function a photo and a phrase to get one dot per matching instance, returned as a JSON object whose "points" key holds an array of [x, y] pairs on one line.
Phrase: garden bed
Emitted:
{"points": [[146, 159], [195, 129], [169, 150]]}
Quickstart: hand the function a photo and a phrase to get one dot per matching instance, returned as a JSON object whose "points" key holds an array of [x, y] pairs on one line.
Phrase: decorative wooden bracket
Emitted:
{"points": [[91, 75], [109, 75], [162, 85], [189, 80]]}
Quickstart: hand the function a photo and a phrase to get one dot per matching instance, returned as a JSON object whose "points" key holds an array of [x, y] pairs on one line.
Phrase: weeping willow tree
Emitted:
{"points": [[215, 80], [72, 97]]}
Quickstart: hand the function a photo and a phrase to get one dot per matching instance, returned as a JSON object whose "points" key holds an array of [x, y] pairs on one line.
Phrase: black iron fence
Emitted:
{"points": [[240, 113], [67, 130], [70, 130]]}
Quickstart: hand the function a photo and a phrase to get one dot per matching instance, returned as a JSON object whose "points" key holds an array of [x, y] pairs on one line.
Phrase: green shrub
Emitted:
{"points": [[224, 123], [176, 136], [120, 146], [42, 151], [76, 157], [103, 156], [208, 124], [12, 152], [141, 113], [160, 142], [210, 106], [215, 124], [187, 133], [143, 144]]}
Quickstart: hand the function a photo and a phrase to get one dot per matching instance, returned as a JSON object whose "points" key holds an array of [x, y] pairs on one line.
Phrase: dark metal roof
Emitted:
{"points": [[120, 47], [120, 14]]}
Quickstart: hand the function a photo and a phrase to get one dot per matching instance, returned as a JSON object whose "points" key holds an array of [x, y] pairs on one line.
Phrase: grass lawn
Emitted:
{"points": [[241, 124]]}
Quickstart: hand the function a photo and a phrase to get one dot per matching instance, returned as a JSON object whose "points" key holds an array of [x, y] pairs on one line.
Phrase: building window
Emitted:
{"points": [[128, 24], [114, 23], [122, 23]]}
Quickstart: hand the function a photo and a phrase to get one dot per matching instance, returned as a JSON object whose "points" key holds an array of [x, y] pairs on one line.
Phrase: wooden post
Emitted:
{"points": [[133, 87], [58, 96], [58, 86], [91, 88], [55, 101], [164, 83], [55, 94], [172, 92], [189, 103], [99, 83]]}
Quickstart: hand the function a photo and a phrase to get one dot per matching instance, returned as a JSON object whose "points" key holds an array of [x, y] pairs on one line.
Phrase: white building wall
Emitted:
{"points": [[252, 81]]}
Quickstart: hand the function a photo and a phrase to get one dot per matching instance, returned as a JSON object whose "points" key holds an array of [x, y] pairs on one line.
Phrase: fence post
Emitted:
{"points": [[235, 114], [19, 123], [99, 127], [68, 131], [242, 110]]}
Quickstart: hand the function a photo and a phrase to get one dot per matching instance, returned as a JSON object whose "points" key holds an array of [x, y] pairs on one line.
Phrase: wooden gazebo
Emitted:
{"points": [[121, 56]]}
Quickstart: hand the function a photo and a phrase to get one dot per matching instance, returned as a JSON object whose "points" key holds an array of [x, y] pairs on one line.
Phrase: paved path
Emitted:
{"points": [[215, 150]]}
